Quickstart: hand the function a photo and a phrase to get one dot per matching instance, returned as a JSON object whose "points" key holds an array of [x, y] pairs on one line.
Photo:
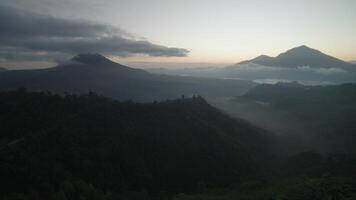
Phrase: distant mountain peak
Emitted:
{"points": [[300, 56], [97, 62], [91, 58], [260, 60], [303, 47], [303, 50], [262, 57]]}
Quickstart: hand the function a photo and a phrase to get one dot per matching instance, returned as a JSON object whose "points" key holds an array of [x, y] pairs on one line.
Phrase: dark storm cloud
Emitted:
{"points": [[16, 22], [113, 45], [32, 33], [21, 55]]}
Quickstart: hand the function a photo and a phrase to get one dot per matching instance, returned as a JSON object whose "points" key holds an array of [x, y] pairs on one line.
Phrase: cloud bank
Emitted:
{"points": [[25, 35], [323, 71], [268, 74], [303, 74], [251, 67]]}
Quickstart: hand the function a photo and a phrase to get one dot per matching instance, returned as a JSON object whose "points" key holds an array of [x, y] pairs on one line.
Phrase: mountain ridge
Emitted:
{"points": [[96, 61], [298, 57], [94, 72], [111, 145]]}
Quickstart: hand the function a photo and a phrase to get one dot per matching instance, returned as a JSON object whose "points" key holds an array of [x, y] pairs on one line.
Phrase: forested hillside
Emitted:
{"points": [[92, 147]]}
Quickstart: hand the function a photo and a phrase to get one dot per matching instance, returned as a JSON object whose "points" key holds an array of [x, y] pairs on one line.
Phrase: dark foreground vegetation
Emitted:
{"points": [[91, 147]]}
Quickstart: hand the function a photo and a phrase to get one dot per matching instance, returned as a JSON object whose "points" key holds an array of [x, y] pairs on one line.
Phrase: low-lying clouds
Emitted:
{"points": [[269, 74], [30, 36], [265, 69], [324, 71], [304, 74]]}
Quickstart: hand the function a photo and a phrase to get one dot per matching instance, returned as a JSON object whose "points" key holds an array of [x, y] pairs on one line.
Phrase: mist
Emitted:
{"points": [[268, 74]]}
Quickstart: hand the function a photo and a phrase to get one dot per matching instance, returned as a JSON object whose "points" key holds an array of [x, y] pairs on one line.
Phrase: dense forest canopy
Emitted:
{"points": [[51, 144], [93, 147]]}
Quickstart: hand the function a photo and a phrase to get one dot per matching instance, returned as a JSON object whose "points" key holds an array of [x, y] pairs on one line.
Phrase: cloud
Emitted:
{"points": [[254, 67], [323, 71], [302, 69], [33, 35], [304, 74], [24, 55]]}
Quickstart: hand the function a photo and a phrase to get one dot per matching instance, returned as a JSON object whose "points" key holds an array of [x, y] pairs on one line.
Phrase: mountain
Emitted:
{"points": [[300, 56], [94, 72], [301, 64], [2, 69], [92, 147]]}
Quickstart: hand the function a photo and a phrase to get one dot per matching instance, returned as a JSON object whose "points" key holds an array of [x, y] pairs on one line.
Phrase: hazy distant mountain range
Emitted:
{"points": [[302, 64], [94, 72], [298, 57]]}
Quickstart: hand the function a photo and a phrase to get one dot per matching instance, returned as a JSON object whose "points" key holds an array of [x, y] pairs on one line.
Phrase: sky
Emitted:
{"points": [[210, 32]]}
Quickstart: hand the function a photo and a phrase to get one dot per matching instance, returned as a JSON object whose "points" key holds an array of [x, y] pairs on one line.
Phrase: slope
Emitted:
{"points": [[85, 145]]}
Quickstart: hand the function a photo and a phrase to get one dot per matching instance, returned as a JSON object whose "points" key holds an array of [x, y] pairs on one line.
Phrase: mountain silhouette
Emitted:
{"points": [[94, 72], [89, 58], [300, 56], [100, 62]]}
